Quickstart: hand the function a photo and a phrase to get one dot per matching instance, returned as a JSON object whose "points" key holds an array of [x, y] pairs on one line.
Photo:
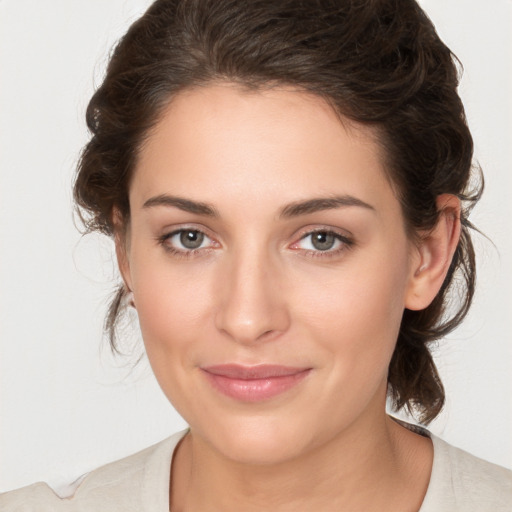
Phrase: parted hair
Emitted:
{"points": [[376, 62]]}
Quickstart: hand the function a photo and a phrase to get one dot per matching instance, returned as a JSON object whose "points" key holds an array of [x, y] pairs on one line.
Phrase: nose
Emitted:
{"points": [[251, 300]]}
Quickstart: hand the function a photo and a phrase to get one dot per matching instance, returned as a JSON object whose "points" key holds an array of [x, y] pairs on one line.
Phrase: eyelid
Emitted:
{"points": [[170, 232], [343, 236], [177, 228], [346, 239], [309, 230]]}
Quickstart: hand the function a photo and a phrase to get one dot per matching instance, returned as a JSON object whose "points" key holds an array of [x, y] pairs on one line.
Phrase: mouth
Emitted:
{"points": [[253, 383]]}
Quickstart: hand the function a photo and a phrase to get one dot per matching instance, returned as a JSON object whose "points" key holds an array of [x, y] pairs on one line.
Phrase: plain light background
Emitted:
{"points": [[66, 406]]}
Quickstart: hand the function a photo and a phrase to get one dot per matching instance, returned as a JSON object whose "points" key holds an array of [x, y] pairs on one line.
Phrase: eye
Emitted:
{"points": [[186, 240], [190, 239], [323, 241]]}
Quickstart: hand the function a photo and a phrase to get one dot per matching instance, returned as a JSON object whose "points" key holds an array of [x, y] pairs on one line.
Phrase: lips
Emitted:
{"points": [[253, 383]]}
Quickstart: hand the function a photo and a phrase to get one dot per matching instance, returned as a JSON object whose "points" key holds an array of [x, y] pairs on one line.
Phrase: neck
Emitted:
{"points": [[358, 469]]}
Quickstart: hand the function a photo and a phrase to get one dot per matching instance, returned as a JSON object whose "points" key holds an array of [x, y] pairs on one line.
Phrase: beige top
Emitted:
{"points": [[140, 483]]}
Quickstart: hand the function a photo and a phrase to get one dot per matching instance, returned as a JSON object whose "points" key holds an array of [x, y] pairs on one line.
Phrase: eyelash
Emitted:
{"points": [[346, 243], [181, 253]]}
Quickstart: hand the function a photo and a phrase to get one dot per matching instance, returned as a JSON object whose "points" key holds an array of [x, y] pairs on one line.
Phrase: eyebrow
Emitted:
{"points": [[186, 205], [291, 210], [322, 203]]}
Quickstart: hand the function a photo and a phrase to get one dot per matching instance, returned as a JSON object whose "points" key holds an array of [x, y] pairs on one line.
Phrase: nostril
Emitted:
{"points": [[249, 304], [267, 334]]}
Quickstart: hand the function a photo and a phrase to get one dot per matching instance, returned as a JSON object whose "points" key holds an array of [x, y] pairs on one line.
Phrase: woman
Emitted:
{"points": [[287, 184]]}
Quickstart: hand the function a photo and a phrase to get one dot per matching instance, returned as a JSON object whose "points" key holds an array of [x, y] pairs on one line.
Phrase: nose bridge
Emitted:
{"points": [[252, 304]]}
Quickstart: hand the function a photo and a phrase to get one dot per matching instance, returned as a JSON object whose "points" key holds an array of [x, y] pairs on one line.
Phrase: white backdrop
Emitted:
{"points": [[66, 406]]}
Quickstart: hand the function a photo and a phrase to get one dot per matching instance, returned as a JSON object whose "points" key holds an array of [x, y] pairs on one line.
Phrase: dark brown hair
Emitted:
{"points": [[377, 62]]}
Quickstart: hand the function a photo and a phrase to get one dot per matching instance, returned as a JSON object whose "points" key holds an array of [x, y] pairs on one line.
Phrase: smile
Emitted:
{"points": [[253, 383]]}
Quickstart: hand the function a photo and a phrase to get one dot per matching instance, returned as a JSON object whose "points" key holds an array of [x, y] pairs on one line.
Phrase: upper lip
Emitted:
{"points": [[261, 371]]}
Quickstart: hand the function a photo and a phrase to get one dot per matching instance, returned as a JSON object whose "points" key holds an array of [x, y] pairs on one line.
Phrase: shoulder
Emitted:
{"points": [[461, 481], [136, 483]]}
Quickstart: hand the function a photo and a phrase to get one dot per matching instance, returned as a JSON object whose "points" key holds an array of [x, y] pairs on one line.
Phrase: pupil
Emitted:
{"points": [[191, 239], [323, 241]]}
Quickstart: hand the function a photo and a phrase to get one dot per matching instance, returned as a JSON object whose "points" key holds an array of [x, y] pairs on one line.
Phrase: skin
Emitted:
{"points": [[258, 291]]}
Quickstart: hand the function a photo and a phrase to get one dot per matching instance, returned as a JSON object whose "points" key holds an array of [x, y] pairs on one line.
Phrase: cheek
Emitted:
{"points": [[172, 305], [356, 314], [173, 310]]}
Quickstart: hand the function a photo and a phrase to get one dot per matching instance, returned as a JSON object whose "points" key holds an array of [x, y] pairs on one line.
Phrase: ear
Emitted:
{"points": [[434, 254], [121, 240]]}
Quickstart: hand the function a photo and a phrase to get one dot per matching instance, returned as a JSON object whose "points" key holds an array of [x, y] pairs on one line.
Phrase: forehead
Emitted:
{"points": [[222, 142]]}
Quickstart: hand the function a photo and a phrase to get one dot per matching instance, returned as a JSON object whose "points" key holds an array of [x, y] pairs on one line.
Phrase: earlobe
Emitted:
{"points": [[435, 253], [123, 264], [121, 245]]}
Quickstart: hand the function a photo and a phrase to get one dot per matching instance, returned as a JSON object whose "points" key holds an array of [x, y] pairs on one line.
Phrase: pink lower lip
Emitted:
{"points": [[254, 385]]}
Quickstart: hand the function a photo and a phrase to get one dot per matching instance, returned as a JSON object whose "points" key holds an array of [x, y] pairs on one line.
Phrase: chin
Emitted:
{"points": [[259, 441], [260, 451]]}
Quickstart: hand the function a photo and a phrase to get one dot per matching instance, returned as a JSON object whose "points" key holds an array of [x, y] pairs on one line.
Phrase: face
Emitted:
{"points": [[270, 268]]}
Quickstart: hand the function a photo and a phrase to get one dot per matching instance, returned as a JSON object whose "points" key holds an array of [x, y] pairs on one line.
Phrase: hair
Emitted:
{"points": [[379, 63]]}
